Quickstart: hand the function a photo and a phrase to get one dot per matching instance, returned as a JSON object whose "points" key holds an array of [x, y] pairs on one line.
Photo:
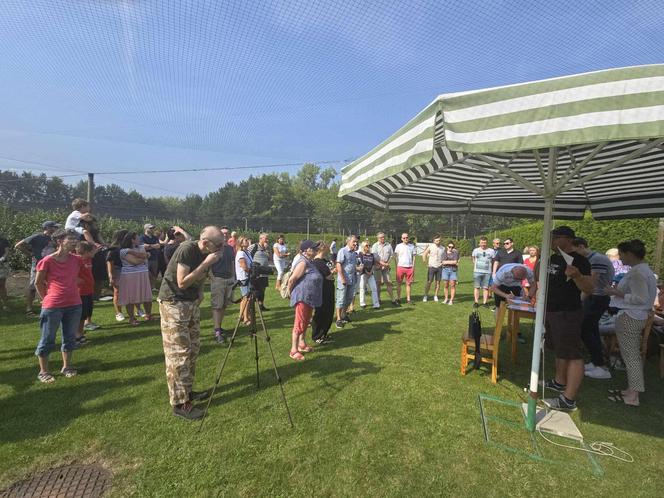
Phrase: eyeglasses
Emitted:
{"points": [[507, 243]]}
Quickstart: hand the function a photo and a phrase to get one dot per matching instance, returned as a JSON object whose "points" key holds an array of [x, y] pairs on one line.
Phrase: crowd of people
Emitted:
{"points": [[70, 264]]}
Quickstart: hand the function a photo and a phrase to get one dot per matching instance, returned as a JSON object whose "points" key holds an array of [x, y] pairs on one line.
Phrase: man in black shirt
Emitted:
{"points": [[564, 315]]}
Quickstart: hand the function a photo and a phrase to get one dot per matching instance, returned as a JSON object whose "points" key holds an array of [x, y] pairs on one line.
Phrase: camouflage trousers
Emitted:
{"points": [[180, 333]]}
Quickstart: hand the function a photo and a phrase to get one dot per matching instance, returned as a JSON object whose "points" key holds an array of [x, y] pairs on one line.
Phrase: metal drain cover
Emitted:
{"points": [[69, 481]]}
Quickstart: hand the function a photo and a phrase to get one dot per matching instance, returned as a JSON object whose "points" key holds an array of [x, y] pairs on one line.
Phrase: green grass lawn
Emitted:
{"points": [[382, 411]]}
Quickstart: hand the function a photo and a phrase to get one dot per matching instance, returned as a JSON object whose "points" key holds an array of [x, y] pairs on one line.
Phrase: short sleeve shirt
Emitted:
{"points": [[602, 266], [86, 281], [225, 266], [74, 222], [40, 245], [61, 281], [503, 257], [150, 239], [405, 255], [563, 294], [187, 254], [452, 255], [504, 275], [239, 272], [384, 251], [435, 256], [483, 259], [348, 260]]}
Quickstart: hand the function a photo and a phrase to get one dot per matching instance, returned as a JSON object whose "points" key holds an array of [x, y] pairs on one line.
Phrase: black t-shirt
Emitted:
{"points": [[150, 239], [38, 243], [323, 266], [503, 257], [113, 255], [191, 256], [368, 261], [169, 250], [563, 294], [4, 244]]}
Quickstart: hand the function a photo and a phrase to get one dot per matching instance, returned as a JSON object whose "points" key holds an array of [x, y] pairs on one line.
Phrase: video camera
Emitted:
{"points": [[256, 272]]}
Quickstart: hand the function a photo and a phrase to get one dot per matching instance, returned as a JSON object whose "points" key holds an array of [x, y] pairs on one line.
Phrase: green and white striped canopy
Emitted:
{"points": [[590, 141]]}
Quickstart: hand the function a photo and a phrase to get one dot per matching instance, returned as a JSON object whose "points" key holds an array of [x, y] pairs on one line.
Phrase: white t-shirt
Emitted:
{"points": [[73, 222], [281, 249], [483, 260], [405, 255], [240, 274]]}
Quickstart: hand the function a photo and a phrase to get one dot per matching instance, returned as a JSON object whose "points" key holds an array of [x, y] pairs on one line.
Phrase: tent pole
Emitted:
{"points": [[540, 310]]}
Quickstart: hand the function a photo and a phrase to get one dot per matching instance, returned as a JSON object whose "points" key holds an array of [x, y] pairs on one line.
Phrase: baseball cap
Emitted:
{"points": [[308, 244], [50, 224], [148, 225], [563, 231]]}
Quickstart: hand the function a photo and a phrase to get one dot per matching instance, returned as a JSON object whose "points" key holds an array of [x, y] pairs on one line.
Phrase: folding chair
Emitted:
{"points": [[489, 346]]}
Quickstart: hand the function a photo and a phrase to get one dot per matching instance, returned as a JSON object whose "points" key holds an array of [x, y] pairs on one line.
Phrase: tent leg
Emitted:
{"points": [[540, 311]]}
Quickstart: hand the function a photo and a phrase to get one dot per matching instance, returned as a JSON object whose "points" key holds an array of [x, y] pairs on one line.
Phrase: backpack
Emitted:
{"points": [[475, 331], [283, 290]]}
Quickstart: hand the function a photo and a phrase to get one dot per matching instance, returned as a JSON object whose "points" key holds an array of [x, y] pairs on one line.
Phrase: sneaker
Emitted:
{"points": [[560, 403], [140, 313], [425, 299], [119, 317], [493, 308], [363, 306], [187, 411], [598, 373], [219, 336], [376, 306], [450, 302], [263, 308], [445, 301], [520, 339], [320, 340], [199, 395], [476, 305], [340, 324], [346, 319], [554, 386], [589, 366], [486, 305], [91, 326], [435, 298]]}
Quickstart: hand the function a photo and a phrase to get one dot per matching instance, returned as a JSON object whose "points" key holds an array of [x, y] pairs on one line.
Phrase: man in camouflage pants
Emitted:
{"points": [[180, 297]]}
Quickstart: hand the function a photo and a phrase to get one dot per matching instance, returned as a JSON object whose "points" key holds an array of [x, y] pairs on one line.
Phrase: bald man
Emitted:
{"points": [[507, 285], [179, 299]]}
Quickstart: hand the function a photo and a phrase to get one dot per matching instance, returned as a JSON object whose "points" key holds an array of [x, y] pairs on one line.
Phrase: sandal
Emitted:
{"points": [[134, 323], [46, 377], [69, 372], [305, 349], [296, 355], [617, 397]]}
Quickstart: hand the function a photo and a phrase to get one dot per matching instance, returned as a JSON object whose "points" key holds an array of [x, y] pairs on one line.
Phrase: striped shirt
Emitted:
{"points": [[127, 267], [603, 268]]}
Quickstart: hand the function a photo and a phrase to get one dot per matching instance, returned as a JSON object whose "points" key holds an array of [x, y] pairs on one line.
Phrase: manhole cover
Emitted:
{"points": [[70, 481]]}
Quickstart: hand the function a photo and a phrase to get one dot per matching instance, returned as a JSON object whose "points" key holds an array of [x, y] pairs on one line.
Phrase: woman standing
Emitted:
{"points": [[135, 285], [530, 260], [57, 286], [281, 254], [305, 288], [324, 314], [634, 297], [114, 270], [368, 260], [450, 269], [242, 269]]}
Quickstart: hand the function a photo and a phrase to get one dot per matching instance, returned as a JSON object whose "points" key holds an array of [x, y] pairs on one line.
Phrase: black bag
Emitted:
{"points": [[475, 331]]}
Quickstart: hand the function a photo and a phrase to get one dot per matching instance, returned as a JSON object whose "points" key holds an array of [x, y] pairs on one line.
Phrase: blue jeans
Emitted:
{"points": [[49, 323]]}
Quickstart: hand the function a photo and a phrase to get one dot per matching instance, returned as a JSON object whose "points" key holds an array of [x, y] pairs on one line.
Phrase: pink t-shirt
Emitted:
{"points": [[61, 281]]}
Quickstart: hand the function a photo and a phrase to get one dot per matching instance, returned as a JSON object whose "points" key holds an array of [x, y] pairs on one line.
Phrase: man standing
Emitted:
{"points": [[594, 306], [433, 257], [180, 296], [221, 288], [382, 272], [260, 254], [482, 267], [4, 272], [174, 237], [36, 246], [346, 279], [152, 246], [564, 315], [404, 253]]}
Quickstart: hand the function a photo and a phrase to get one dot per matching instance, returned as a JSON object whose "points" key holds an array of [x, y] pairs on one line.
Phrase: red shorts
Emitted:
{"points": [[406, 273], [303, 314]]}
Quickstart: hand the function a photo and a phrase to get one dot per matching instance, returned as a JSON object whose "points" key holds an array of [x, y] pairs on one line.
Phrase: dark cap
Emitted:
{"points": [[50, 224], [563, 231], [308, 244]]}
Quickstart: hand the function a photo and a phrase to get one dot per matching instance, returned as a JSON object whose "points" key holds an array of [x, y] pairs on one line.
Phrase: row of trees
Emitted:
{"points": [[305, 202]]}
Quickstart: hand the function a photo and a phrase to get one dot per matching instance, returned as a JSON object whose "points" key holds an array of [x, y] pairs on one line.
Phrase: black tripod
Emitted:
{"points": [[253, 333]]}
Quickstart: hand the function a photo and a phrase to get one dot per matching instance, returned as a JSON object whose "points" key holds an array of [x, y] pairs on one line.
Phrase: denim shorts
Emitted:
{"points": [[344, 295], [482, 280], [50, 320], [449, 273]]}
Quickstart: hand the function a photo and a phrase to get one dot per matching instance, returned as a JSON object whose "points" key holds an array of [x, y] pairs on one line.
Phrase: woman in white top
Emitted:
{"points": [[634, 297], [281, 254], [242, 267]]}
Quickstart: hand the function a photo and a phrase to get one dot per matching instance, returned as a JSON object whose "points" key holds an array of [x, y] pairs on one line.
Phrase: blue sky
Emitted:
{"points": [[115, 86]]}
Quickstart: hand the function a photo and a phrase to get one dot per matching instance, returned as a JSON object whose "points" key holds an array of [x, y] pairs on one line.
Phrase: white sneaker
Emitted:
{"points": [[450, 302], [598, 373], [425, 299], [119, 317], [141, 313], [445, 301], [588, 366], [435, 298]]}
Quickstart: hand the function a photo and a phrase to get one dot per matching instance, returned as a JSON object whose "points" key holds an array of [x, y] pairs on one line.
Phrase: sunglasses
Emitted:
{"points": [[507, 243]]}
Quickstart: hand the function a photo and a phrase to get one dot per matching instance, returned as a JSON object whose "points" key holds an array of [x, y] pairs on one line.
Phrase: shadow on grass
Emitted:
{"points": [[48, 408], [358, 334], [342, 368]]}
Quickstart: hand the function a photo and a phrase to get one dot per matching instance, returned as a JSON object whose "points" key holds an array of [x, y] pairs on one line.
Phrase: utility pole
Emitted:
{"points": [[658, 248], [307, 228], [91, 188], [245, 225]]}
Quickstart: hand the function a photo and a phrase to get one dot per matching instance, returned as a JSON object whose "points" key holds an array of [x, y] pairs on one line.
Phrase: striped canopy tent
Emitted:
{"points": [[550, 148]]}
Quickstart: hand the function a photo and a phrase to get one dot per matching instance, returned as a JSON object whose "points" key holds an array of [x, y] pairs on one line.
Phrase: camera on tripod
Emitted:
{"points": [[256, 272]]}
